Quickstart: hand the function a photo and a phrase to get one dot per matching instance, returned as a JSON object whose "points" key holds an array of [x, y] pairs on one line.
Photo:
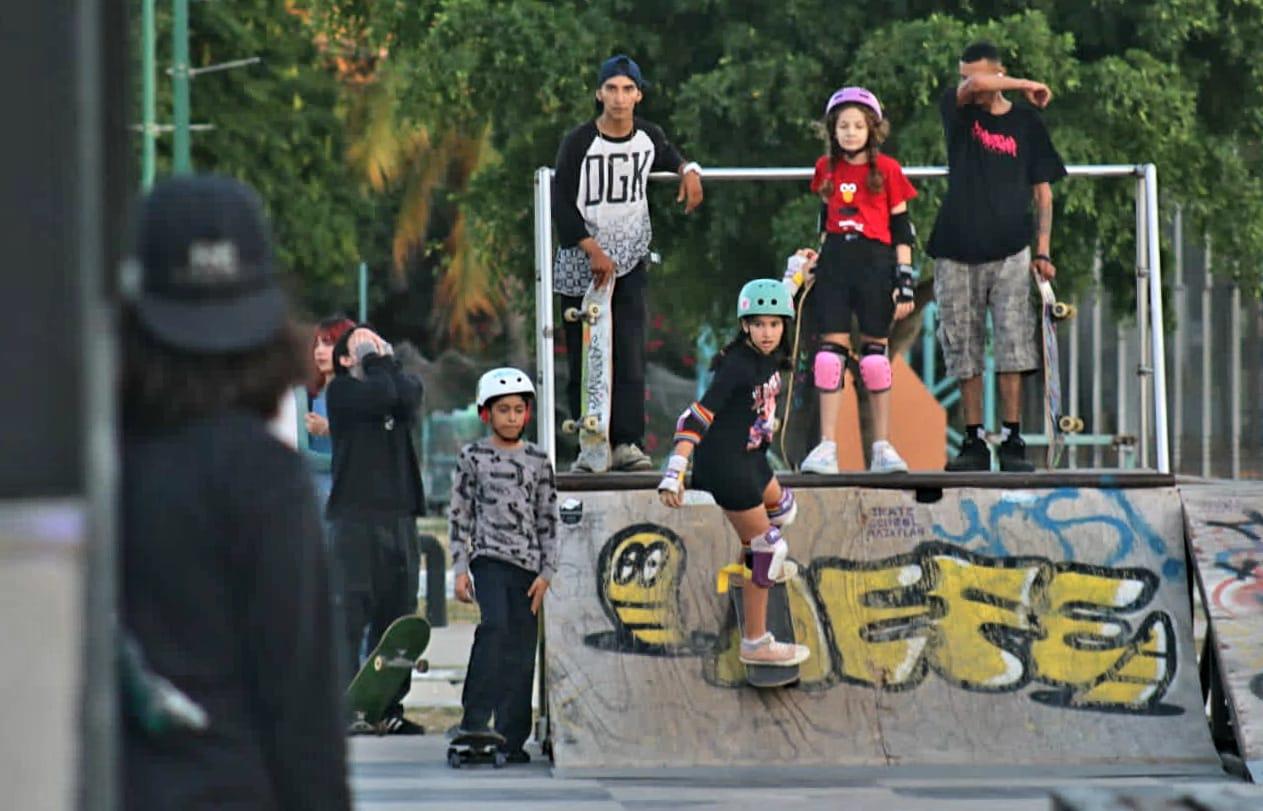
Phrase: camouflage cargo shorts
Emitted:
{"points": [[965, 293]]}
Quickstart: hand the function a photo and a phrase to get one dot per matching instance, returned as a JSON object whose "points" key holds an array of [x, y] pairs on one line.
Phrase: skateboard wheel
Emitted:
{"points": [[422, 666], [591, 423], [569, 426], [378, 663], [500, 760], [453, 758], [1062, 310], [570, 314], [594, 312], [1070, 425]]}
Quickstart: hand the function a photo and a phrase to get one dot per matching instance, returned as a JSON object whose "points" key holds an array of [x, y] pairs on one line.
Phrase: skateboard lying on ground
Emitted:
{"points": [[595, 388], [779, 621], [1056, 423], [476, 747], [386, 671]]}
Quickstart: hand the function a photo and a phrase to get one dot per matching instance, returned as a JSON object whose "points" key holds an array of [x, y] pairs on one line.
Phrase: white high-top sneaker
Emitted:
{"points": [[822, 459], [886, 459]]}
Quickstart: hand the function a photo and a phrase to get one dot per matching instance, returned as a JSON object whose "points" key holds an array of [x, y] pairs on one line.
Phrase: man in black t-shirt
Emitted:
{"points": [[603, 232], [999, 158]]}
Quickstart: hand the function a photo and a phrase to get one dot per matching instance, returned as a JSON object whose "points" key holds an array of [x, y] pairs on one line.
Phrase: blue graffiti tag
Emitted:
{"points": [[984, 534]]}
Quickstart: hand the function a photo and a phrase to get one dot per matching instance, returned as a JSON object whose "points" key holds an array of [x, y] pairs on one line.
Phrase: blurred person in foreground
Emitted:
{"points": [[224, 579]]}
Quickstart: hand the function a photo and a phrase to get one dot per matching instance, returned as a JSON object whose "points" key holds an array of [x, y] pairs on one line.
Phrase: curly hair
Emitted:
{"points": [[163, 387], [878, 131]]}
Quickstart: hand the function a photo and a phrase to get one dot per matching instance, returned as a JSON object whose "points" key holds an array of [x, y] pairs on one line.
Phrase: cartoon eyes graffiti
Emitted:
{"points": [[641, 561]]}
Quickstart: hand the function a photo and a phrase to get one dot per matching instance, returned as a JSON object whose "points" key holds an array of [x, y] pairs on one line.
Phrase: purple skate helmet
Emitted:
{"points": [[854, 95]]}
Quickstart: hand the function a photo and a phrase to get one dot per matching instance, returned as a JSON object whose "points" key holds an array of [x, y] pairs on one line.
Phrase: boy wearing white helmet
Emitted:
{"points": [[865, 270], [503, 531], [727, 433]]}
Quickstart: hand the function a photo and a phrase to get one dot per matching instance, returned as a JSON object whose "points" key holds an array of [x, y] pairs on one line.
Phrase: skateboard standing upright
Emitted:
{"points": [[387, 669], [596, 385], [799, 426], [1056, 422], [779, 622]]}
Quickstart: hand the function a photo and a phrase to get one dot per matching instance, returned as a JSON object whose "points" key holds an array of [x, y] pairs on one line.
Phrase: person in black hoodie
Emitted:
{"points": [[376, 495], [224, 580]]}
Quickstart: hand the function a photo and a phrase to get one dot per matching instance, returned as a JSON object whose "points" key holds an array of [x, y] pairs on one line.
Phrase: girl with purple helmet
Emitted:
{"points": [[864, 269]]}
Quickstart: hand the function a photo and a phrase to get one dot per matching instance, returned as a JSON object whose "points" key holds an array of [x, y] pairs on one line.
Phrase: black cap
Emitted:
{"points": [[620, 65], [203, 258]]}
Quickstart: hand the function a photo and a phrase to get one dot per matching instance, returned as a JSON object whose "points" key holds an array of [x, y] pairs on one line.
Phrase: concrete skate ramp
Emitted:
{"points": [[1034, 630], [1224, 522]]}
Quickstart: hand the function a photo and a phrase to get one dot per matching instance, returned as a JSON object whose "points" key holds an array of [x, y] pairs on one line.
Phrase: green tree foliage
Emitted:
{"points": [[1174, 82], [276, 125]]}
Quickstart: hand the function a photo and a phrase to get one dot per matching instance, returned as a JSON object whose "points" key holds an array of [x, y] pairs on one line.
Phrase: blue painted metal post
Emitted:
{"points": [[363, 313]]}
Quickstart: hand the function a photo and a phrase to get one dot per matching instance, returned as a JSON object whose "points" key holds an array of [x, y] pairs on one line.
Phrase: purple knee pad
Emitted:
{"points": [[875, 368], [762, 554], [828, 369], [783, 514]]}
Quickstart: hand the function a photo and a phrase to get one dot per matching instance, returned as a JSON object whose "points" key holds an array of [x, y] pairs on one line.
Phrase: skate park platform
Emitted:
{"points": [[988, 624]]}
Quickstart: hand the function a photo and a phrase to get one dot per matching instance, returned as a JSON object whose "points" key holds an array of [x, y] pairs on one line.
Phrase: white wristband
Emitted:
{"points": [[691, 166]]}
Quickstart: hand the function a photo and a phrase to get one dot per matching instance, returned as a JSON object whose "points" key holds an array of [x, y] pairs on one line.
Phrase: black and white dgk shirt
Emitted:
{"points": [[599, 190]]}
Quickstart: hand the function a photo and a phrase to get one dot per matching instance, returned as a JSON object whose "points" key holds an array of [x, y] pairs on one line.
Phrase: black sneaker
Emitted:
{"points": [[517, 756], [974, 455], [398, 725], [1013, 456]]}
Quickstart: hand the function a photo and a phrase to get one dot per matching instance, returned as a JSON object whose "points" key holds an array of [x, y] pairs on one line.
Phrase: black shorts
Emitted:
{"points": [[854, 276], [737, 483]]}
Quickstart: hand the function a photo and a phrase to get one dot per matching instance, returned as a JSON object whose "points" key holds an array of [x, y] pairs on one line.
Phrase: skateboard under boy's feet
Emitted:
{"points": [[481, 746], [387, 669], [596, 386], [1056, 423]]}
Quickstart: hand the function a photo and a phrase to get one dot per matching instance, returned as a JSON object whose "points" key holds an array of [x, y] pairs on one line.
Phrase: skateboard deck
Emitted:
{"points": [[387, 669], [800, 417], [476, 747], [1056, 422], [596, 385], [779, 621]]}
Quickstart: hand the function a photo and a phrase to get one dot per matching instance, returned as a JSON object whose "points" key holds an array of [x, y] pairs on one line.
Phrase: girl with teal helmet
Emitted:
{"points": [[727, 433]]}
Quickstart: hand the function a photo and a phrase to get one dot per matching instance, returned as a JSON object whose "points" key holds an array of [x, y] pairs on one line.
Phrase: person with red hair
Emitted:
{"points": [[314, 439]]}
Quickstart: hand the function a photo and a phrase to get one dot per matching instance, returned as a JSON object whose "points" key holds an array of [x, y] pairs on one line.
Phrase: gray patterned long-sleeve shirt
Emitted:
{"points": [[504, 506]]}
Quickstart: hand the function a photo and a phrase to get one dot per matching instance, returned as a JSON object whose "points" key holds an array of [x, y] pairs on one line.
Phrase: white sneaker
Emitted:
{"points": [[822, 459], [886, 459], [767, 651]]}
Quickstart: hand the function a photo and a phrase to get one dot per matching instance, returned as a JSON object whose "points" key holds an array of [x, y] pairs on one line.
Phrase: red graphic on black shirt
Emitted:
{"points": [[994, 141]]}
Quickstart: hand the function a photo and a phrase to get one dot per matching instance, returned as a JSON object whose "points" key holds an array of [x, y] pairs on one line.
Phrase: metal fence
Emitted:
{"points": [[1151, 445]]}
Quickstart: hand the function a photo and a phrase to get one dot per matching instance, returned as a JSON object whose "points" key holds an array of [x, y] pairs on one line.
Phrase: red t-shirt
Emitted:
{"points": [[852, 207]]}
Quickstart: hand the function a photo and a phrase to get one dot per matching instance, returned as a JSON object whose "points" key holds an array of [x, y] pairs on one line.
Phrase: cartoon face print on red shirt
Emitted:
{"points": [[852, 208], [763, 403]]}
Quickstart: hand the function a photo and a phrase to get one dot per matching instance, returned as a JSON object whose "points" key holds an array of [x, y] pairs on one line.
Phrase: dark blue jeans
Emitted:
{"points": [[502, 661]]}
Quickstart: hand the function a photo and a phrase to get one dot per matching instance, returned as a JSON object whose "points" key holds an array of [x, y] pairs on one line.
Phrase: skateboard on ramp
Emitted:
{"points": [[476, 747], [595, 388], [1056, 422], [385, 672], [779, 621]]}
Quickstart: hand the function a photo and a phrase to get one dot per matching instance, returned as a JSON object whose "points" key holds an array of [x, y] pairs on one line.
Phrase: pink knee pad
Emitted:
{"points": [[875, 371], [828, 369]]}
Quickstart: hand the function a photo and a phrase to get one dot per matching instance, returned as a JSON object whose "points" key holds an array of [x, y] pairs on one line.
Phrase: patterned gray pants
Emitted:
{"points": [[965, 293]]}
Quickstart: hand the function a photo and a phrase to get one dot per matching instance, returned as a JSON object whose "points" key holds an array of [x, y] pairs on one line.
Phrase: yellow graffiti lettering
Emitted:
{"points": [[880, 622], [981, 600]]}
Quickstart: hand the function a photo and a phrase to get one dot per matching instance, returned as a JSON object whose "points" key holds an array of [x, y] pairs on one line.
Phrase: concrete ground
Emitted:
{"points": [[398, 774]]}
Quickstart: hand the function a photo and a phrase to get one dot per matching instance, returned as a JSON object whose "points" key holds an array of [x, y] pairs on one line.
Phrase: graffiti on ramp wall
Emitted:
{"points": [[1084, 635]]}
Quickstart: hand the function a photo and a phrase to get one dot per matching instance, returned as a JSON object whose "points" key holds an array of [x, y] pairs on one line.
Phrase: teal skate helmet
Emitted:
{"points": [[764, 297]]}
